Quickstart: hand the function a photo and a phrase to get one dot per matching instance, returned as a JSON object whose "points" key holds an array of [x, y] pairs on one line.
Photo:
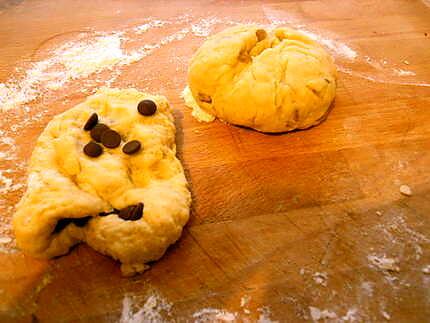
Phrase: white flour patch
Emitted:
{"points": [[320, 278], [88, 55], [337, 47], [317, 314], [6, 184], [351, 315], [5, 240], [367, 287], [213, 314], [265, 315], [152, 24], [154, 310], [244, 301], [384, 263], [204, 27], [401, 72]]}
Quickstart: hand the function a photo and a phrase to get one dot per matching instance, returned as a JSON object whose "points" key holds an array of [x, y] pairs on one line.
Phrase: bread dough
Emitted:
{"points": [[63, 182], [272, 81]]}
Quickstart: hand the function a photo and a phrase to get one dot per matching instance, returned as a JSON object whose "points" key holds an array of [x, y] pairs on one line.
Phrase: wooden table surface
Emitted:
{"points": [[294, 227]]}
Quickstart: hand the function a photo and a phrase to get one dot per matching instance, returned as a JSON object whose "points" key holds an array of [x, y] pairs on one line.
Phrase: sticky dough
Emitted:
{"points": [[64, 183]]}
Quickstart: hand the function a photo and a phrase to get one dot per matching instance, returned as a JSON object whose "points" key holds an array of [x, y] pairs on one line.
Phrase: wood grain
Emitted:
{"points": [[269, 211]]}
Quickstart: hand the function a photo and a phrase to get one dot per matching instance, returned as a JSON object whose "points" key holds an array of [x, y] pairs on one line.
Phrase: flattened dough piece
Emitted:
{"points": [[270, 80], [64, 183]]}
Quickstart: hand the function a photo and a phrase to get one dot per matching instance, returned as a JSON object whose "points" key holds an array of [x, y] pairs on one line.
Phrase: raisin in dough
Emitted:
{"points": [[272, 81], [65, 183]]}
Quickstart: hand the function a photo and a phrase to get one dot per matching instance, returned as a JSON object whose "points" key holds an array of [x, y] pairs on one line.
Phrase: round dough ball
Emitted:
{"points": [[272, 81]]}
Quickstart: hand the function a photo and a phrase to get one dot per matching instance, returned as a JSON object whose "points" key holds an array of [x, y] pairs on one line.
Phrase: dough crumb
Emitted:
{"points": [[320, 278], [405, 190], [197, 113], [378, 213], [386, 315], [426, 270]]}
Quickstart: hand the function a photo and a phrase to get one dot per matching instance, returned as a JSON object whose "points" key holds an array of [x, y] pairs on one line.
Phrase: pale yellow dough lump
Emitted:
{"points": [[270, 80], [63, 183]]}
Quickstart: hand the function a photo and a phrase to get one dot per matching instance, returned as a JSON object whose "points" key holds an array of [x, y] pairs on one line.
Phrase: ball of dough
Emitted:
{"points": [[272, 81], [66, 185]]}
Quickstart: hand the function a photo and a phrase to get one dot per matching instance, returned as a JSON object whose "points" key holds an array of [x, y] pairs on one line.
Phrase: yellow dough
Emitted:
{"points": [[65, 183], [272, 81]]}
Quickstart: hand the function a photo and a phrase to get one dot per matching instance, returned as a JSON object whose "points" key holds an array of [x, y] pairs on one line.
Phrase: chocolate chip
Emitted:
{"points": [[132, 212], [114, 211], [97, 131], [80, 222], [93, 149], [111, 139], [91, 122], [61, 224], [261, 34], [147, 107], [205, 98], [131, 147]]}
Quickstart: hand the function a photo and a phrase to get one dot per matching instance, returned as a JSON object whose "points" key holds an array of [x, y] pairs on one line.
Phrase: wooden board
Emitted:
{"points": [[293, 223]]}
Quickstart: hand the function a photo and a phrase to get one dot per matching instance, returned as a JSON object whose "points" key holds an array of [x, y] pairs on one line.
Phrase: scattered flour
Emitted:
{"points": [[152, 24], [401, 72], [317, 314], [367, 288], [320, 278], [351, 315], [154, 310], [426, 269], [90, 54], [244, 301], [214, 315], [204, 27], [4, 240], [6, 184], [384, 263], [265, 315]]}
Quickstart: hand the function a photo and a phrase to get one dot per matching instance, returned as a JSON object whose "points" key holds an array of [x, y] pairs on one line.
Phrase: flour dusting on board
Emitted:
{"points": [[347, 57], [154, 310], [91, 54]]}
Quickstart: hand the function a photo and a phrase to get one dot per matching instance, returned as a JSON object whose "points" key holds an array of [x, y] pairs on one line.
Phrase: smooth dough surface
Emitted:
{"points": [[272, 81], [63, 182]]}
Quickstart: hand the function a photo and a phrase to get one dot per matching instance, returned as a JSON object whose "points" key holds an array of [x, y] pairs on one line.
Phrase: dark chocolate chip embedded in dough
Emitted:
{"points": [[80, 222], [97, 131], [131, 147], [132, 212], [91, 122], [204, 98], [61, 224], [114, 211], [111, 139], [93, 149], [261, 34], [147, 107]]}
